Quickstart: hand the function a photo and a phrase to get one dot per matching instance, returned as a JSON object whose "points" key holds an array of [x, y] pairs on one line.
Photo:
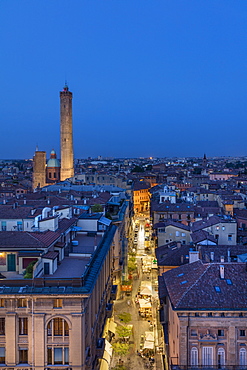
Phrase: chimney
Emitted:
{"points": [[228, 255], [222, 272], [25, 201], [222, 259], [212, 256]]}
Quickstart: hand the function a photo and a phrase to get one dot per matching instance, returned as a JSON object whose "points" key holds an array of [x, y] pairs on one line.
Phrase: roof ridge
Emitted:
{"points": [[194, 283]]}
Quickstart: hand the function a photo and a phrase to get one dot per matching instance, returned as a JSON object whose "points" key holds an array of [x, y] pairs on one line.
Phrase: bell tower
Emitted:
{"points": [[66, 134]]}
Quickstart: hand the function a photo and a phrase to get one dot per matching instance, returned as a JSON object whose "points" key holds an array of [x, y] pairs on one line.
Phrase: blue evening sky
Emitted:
{"points": [[149, 77]]}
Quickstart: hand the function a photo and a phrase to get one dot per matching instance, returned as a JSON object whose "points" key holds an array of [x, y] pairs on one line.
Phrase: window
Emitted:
{"points": [[2, 302], [22, 302], [177, 233], [193, 333], [242, 357], [242, 333], [58, 327], [194, 357], [23, 356], [57, 303], [221, 333], [3, 224], [58, 355], [55, 175], [230, 237], [2, 355], [210, 314], [221, 358], [23, 326], [2, 326], [207, 356], [19, 226]]}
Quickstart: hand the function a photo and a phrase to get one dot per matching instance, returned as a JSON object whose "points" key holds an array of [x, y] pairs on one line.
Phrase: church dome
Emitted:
{"points": [[53, 161]]}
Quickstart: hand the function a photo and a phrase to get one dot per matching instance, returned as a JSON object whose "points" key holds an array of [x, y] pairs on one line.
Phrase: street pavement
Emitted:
{"points": [[133, 360]]}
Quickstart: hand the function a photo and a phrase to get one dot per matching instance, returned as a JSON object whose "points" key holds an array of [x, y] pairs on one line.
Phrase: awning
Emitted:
{"points": [[105, 361], [149, 336], [112, 327], [108, 347], [104, 365], [148, 345], [145, 291], [144, 304], [105, 221]]}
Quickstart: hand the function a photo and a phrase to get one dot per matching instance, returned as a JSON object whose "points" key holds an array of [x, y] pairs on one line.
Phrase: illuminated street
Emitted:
{"points": [[147, 338]]}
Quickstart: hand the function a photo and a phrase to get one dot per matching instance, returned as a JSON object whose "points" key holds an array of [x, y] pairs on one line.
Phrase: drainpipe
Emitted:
{"points": [[188, 333], [32, 337]]}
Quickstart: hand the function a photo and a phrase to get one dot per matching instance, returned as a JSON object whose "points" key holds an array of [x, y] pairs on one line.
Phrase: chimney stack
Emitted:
{"points": [[222, 272]]}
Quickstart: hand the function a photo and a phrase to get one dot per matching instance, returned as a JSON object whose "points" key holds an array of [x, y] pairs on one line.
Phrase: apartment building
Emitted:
{"points": [[204, 308]]}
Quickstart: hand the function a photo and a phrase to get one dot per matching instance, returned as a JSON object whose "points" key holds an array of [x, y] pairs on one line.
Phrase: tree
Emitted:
{"points": [[137, 169], [131, 266], [119, 367], [123, 332], [29, 270], [97, 208], [121, 349], [125, 317]]}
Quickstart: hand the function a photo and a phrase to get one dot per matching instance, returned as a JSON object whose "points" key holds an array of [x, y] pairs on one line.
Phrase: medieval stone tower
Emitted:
{"points": [[39, 163], [66, 134]]}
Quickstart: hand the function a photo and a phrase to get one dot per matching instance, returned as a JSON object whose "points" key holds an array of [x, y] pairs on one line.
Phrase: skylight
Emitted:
{"points": [[180, 274], [228, 281], [217, 289], [184, 282]]}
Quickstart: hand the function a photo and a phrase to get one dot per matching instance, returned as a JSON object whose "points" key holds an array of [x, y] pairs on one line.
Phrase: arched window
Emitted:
{"points": [[194, 357], [58, 327], [221, 358], [242, 357], [57, 348]]}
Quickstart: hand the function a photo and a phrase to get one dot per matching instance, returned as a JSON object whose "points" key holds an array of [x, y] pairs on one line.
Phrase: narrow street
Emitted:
{"points": [[139, 356]]}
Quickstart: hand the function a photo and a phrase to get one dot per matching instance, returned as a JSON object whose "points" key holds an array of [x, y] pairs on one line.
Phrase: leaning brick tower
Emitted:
{"points": [[66, 134]]}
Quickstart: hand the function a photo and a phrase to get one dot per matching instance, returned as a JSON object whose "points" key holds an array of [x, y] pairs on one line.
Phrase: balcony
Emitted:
{"points": [[100, 347], [109, 310], [113, 296]]}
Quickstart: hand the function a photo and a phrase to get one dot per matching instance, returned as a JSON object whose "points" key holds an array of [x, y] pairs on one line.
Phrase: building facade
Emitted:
{"points": [[205, 315]]}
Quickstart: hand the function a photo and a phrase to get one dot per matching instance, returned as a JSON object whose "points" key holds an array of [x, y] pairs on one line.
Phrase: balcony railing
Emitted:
{"points": [[212, 367]]}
